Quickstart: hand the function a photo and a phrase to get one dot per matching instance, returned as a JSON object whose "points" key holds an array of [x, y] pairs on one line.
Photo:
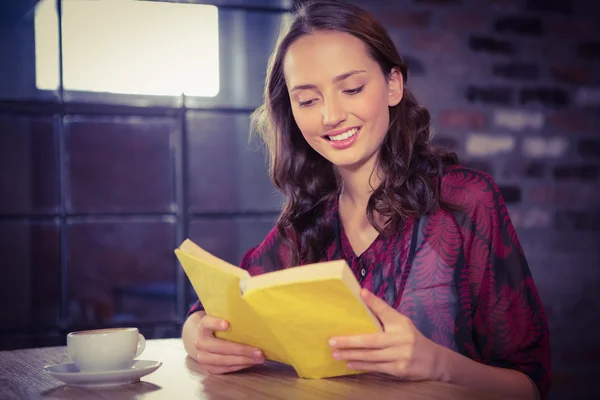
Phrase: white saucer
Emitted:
{"points": [[71, 375]]}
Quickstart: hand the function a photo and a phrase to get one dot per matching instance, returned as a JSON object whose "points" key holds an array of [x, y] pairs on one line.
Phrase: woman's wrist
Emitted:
{"points": [[190, 332], [441, 370]]}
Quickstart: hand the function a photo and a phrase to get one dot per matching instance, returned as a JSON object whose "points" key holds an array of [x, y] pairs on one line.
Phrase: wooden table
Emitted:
{"points": [[22, 377]]}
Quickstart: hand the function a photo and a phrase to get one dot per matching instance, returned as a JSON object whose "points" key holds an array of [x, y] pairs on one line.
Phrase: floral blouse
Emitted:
{"points": [[460, 276]]}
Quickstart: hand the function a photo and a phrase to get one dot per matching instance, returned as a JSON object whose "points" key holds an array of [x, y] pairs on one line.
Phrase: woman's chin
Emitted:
{"points": [[347, 163]]}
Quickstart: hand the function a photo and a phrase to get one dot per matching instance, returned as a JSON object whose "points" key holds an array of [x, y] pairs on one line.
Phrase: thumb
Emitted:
{"points": [[380, 308]]}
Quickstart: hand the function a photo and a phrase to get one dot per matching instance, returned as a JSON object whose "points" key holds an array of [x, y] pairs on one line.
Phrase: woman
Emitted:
{"points": [[430, 242]]}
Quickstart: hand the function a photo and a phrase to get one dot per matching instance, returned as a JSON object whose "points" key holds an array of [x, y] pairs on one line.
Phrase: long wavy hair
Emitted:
{"points": [[411, 165]]}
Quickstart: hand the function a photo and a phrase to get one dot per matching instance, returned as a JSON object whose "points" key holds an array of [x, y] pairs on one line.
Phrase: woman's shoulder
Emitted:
{"points": [[467, 178], [471, 192], [460, 183], [479, 211]]}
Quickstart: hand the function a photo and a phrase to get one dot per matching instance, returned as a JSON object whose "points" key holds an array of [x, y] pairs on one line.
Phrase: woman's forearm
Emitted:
{"points": [[189, 333], [458, 369]]}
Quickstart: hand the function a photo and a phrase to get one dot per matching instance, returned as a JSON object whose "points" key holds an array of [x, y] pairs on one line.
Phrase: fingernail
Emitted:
{"points": [[223, 324], [336, 355], [332, 342], [350, 365], [257, 354]]}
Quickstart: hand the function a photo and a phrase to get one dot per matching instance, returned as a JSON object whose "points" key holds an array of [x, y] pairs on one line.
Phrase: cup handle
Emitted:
{"points": [[141, 345]]}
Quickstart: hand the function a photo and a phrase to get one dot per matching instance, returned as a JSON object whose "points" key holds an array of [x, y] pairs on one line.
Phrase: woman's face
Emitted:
{"points": [[340, 97]]}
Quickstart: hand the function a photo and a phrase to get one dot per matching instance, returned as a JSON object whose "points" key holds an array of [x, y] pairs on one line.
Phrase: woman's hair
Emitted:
{"points": [[412, 167]]}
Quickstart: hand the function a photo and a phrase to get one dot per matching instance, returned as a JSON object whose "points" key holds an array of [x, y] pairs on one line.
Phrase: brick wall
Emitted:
{"points": [[513, 87]]}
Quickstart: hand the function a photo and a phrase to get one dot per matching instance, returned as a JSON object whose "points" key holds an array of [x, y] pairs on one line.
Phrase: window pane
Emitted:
{"points": [[30, 274], [226, 172], [121, 270], [130, 47], [17, 50], [230, 238], [29, 165], [247, 39], [122, 164]]}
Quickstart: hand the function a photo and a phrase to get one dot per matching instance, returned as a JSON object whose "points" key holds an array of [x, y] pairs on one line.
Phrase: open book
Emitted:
{"points": [[289, 314]]}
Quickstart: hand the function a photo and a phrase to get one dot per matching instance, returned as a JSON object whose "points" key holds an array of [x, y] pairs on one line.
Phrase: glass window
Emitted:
{"points": [[129, 47]]}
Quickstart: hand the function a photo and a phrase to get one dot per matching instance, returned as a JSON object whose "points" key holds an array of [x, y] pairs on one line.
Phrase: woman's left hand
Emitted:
{"points": [[400, 350]]}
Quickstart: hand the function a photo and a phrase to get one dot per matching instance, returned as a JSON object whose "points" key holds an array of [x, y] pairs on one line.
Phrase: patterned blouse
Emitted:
{"points": [[460, 276]]}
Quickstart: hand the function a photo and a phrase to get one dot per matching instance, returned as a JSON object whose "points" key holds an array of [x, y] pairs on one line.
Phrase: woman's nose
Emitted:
{"points": [[333, 113]]}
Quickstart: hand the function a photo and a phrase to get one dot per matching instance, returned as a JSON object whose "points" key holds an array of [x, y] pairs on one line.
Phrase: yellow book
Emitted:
{"points": [[289, 314]]}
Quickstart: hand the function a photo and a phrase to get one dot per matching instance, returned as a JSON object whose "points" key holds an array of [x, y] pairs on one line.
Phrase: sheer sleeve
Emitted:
{"points": [[509, 322], [267, 256]]}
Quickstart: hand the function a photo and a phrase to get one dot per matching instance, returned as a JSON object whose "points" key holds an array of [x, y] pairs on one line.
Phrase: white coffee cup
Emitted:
{"points": [[105, 349]]}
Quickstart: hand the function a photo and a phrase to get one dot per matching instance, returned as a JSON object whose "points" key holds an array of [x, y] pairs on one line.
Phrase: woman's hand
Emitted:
{"points": [[401, 350], [220, 356]]}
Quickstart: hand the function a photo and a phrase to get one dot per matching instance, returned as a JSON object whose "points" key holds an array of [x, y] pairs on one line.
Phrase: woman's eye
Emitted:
{"points": [[307, 103], [354, 91]]}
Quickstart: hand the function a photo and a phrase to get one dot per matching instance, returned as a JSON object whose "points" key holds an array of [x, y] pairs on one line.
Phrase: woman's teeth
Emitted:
{"points": [[345, 135]]}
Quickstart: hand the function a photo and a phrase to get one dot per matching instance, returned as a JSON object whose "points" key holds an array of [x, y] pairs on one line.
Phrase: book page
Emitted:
{"points": [[217, 285], [304, 313], [330, 269], [215, 262]]}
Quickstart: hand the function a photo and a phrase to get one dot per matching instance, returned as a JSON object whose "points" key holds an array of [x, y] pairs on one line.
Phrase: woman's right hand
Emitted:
{"points": [[220, 356]]}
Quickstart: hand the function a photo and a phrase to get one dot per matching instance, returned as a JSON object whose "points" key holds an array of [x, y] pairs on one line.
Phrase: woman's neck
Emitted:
{"points": [[358, 184]]}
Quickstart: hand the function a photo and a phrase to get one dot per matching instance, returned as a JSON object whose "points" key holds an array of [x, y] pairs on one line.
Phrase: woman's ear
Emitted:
{"points": [[395, 87]]}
